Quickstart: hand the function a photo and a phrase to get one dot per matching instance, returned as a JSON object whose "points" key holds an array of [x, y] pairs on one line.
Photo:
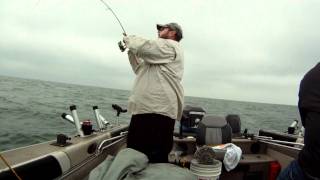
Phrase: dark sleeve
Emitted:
{"points": [[309, 93]]}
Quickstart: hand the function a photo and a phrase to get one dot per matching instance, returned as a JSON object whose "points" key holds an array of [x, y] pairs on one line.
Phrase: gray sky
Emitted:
{"points": [[248, 50]]}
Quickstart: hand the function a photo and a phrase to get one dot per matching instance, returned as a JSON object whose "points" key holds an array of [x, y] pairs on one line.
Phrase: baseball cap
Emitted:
{"points": [[173, 26]]}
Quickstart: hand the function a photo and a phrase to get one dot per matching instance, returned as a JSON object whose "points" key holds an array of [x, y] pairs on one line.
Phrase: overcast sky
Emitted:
{"points": [[247, 50]]}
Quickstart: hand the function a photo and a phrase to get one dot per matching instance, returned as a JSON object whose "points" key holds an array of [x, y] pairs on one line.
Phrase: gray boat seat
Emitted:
{"points": [[213, 130]]}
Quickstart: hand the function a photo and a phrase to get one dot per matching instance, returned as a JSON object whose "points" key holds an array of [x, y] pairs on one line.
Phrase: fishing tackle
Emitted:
{"points": [[120, 44]]}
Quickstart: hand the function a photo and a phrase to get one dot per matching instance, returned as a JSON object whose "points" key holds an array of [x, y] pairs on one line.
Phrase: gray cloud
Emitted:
{"points": [[240, 50]]}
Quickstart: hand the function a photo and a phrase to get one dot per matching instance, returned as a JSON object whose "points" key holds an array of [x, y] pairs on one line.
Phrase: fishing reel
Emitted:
{"points": [[122, 46]]}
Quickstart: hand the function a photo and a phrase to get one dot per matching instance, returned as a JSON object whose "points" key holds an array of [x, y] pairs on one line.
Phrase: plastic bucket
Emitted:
{"points": [[204, 171]]}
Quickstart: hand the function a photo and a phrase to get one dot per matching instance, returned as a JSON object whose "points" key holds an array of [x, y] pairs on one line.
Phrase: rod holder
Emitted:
{"points": [[293, 127], [74, 113], [97, 116], [67, 117], [103, 120]]}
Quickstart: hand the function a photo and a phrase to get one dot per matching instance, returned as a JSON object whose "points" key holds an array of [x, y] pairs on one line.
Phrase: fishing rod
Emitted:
{"points": [[120, 44]]}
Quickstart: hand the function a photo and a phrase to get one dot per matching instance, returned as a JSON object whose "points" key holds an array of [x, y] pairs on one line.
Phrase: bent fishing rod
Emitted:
{"points": [[120, 44]]}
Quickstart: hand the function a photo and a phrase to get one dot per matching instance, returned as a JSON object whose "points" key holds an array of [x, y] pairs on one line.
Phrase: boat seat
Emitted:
{"points": [[213, 130]]}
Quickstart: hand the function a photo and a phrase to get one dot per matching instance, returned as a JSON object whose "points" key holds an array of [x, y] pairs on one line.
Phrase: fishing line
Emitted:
{"points": [[10, 168]]}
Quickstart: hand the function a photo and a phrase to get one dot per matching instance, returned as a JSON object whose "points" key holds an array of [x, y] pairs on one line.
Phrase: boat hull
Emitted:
{"points": [[75, 161]]}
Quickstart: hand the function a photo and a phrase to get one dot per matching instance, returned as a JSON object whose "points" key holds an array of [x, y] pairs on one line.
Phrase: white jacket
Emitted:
{"points": [[158, 65]]}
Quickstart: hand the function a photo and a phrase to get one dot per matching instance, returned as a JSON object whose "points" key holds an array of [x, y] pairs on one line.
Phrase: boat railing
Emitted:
{"points": [[101, 146]]}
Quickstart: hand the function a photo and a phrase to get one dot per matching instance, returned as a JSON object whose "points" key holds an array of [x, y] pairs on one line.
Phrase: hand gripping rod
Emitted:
{"points": [[120, 44]]}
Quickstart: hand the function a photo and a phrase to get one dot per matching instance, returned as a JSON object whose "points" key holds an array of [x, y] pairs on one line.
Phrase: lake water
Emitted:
{"points": [[30, 110]]}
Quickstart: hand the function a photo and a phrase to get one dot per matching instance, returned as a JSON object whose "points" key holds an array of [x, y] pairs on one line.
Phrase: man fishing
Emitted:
{"points": [[156, 99]]}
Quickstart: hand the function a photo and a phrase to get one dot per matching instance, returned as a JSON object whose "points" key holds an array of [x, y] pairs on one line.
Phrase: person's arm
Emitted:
{"points": [[134, 62], [151, 51]]}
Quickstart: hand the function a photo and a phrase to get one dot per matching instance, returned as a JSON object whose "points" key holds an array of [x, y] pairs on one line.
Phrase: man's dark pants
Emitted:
{"points": [[151, 134]]}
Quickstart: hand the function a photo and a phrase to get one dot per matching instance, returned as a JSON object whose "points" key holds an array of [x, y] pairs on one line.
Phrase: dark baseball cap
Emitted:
{"points": [[173, 26]]}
